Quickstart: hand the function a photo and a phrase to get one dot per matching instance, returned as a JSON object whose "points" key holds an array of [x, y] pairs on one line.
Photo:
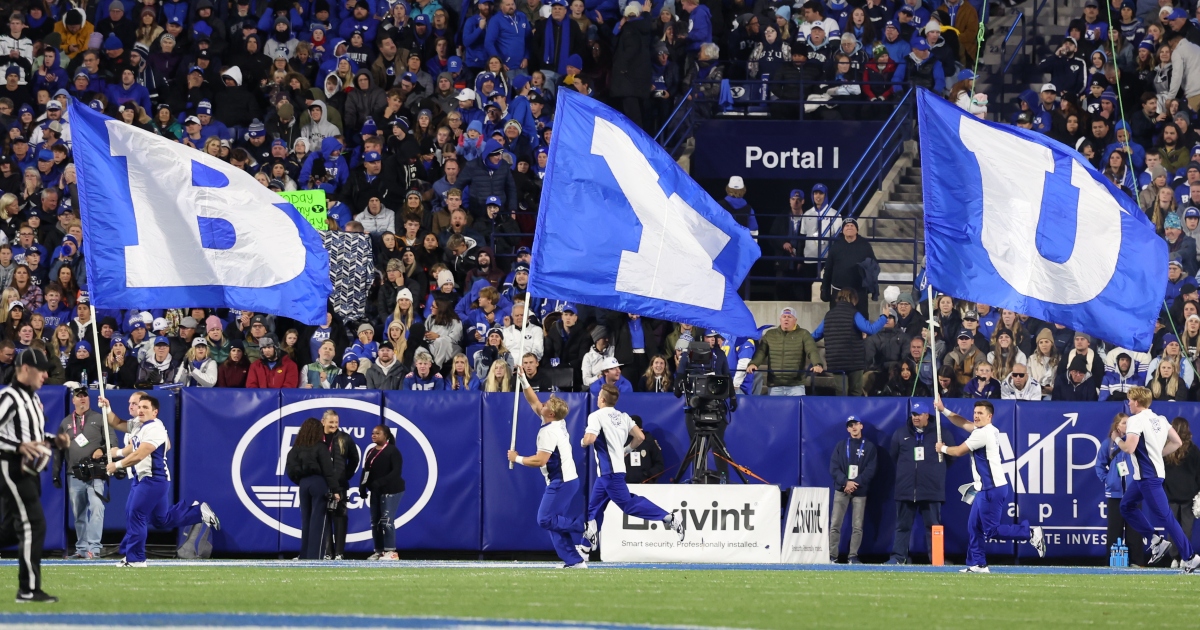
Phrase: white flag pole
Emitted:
{"points": [[512, 445], [933, 367], [104, 410]]}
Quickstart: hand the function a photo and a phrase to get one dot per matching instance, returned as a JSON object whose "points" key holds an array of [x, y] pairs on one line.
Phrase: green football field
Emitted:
{"points": [[729, 598]]}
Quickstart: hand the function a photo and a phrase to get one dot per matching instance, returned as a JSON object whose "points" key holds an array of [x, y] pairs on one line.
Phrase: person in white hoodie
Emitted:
{"points": [[197, 368], [1018, 386]]}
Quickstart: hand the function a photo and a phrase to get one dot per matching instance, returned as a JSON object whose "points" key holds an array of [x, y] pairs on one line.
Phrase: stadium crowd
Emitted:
{"points": [[427, 126]]}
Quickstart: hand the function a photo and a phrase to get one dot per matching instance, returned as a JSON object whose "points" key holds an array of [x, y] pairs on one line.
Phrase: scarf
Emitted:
{"points": [[557, 58], [159, 366], [197, 364]]}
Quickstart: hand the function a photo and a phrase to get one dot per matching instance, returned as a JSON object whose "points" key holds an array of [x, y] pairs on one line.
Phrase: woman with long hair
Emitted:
{"points": [[948, 383], [948, 318], [461, 378], [1165, 385], [27, 291], [310, 467], [1189, 337], [1182, 483], [1011, 321], [38, 323], [148, 31], [1043, 363], [398, 335], [492, 351], [10, 209], [443, 332], [1172, 352], [66, 280], [1004, 355], [120, 367], [903, 381], [234, 370], [657, 377], [62, 344], [1110, 462], [499, 378], [1117, 171]]}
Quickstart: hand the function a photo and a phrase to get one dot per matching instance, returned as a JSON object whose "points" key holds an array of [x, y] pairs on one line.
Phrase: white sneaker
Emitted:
{"points": [[1038, 539], [127, 564], [375, 556], [1190, 566], [339, 557], [591, 533], [1174, 564], [676, 525], [389, 555], [584, 551], [1159, 547], [975, 569], [208, 517], [579, 565]]}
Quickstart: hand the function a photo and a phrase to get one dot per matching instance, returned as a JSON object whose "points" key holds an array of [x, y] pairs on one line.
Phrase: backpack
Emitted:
{"points": [[197, 543]]}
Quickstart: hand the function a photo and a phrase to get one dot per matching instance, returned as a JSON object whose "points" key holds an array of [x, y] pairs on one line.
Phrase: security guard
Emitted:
{"points": [[23, 455]]}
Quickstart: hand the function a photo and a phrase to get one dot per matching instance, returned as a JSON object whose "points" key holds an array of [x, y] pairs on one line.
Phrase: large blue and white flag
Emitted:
{"points": [[168, 226], [1017, 220], [623, 227]]}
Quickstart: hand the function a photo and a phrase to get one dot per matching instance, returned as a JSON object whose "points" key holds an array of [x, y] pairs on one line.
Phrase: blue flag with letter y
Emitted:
{"points": [[1016, 220], [171, 227], [623, 227]]}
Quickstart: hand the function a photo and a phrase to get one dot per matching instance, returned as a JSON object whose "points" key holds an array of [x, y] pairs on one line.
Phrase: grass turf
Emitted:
{"points": [[758, 599]]}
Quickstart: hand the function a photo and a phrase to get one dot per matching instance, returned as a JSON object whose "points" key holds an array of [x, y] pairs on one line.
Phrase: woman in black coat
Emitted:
{"points": [[382, 466], [310, 467]]}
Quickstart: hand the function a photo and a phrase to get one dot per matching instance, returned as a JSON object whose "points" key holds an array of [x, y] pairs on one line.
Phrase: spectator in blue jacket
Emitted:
{"points": [[920, 479], [610, 374], [700, 32], [423, 378], [129, 90], [361, 20], [1114, 468], [508, 38], [921, 69], [474, 32], [852, 467]]}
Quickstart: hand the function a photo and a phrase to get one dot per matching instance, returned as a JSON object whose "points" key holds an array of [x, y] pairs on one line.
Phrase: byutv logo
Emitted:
{"points": [[285, 496], [714, 519]]}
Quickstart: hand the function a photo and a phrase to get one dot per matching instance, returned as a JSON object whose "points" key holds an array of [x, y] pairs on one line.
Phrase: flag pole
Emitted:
{"points": [[512, 445], [933, 367], [104, 410]]}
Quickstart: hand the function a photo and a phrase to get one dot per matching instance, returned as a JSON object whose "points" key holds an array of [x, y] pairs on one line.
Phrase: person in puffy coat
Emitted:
{"points": [[920, 478], [310, 467]]}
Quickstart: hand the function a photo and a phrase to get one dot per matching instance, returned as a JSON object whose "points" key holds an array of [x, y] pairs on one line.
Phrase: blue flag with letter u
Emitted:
{"points": [[1016, 220], [170, 227], [623, 227]]}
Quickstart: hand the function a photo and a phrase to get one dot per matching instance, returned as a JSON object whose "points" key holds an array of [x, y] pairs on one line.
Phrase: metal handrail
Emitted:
{"points": [[686, 100], [1020, 21]]}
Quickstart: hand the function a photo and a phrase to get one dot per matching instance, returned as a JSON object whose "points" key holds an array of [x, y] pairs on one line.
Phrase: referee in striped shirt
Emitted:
{"points": [[23, 455]]}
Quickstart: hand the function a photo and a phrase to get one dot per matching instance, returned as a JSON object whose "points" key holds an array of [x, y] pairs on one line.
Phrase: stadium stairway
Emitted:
{"points": [[902, 199]]}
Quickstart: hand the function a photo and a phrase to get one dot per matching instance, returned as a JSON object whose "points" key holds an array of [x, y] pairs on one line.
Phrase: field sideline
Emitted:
{"points": [[779, 597]]}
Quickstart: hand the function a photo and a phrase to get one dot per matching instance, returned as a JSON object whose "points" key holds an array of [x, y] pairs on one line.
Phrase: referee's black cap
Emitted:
{"points": [[34, 358]]}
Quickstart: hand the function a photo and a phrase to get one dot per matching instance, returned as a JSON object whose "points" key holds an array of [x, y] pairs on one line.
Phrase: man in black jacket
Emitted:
{"points": [[920, 479], [785, 85], [537, 380], [567, 340], [841, 265], [344, 454], [852, 467]]}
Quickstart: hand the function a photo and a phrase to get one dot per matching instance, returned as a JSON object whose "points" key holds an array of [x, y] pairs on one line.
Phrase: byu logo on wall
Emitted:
{"points": [[282, 496]]}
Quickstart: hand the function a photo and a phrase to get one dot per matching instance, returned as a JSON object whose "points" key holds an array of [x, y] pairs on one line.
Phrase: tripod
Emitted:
{"points": [[706, 440]]}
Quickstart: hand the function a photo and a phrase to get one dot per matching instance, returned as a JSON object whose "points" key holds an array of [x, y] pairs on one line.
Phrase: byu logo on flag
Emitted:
{"points": [[623, 227], [182, 228], [1017, 220]]}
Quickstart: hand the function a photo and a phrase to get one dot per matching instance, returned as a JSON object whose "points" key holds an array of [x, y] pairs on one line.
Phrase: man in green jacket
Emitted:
{"points": [[786, 351]]}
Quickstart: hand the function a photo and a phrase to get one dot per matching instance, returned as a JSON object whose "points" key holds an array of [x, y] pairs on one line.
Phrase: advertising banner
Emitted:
{"points": [[806, 531], [730, 523]]}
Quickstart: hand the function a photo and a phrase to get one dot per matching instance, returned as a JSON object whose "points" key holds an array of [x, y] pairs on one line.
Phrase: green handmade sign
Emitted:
{"points": [[311, 204]]}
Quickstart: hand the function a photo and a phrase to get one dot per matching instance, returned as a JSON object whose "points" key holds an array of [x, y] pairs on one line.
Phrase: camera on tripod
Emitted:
{"points": [[704, 392]]}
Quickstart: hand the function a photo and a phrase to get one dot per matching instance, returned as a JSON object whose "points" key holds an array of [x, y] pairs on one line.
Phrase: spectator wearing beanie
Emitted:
{"points": [[737, 206], [842, 265], [116, 23], [489, 176], [1075, 383], [1092, 359]]}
